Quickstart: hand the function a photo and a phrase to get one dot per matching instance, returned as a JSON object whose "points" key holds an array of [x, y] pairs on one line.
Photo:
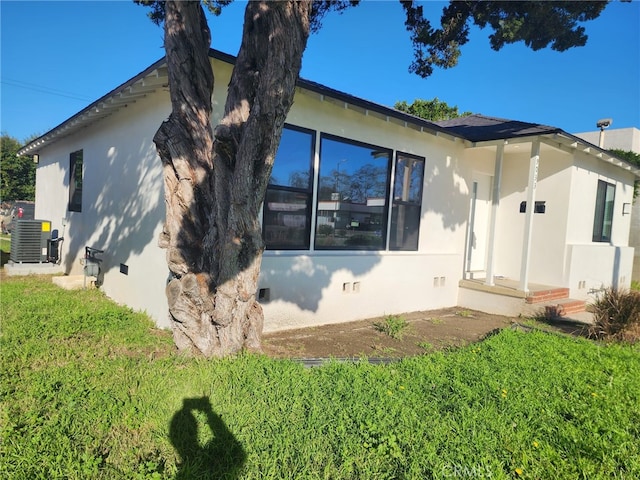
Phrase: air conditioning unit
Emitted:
{"points": [[29, 241]]}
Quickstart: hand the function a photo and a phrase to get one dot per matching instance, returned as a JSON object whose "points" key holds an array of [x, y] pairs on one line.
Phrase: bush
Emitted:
{"points": [[325, 229], [362, 240], [392, 325], [616, 313]]}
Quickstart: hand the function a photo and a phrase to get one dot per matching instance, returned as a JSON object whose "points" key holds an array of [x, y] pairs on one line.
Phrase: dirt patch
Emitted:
{"points": [[425, 332]]}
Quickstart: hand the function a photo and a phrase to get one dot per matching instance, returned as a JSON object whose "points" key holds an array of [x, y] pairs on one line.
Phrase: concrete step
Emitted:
{"points": [[540, 296], [72, 282]]}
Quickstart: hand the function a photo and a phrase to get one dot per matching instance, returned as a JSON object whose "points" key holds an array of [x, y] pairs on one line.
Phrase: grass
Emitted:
{"points": [[393, 325], [91, 390]]}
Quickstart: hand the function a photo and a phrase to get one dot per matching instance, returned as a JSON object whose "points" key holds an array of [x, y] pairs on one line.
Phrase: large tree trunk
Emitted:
{"points": [[215, 183]]}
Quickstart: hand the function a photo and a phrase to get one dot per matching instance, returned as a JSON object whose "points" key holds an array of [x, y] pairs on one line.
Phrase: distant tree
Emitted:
{"points": [[433, 110], [216, 178], [366, 182], [634, 159], [299, 179], [17, 173]]}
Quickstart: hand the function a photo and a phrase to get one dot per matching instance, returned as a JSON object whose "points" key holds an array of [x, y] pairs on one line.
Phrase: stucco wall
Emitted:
{"points": [[620, 138], [122, 205], [594, 265], [315, 287], [546, 262]]}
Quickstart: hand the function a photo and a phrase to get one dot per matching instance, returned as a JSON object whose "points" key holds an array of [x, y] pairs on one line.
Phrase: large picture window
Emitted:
{"points": [[407, 202], [603, 219], [352, 195], [75, 181], [287, 204]]}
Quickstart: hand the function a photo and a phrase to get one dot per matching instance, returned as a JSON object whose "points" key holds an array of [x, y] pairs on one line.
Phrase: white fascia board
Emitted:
{"points": [[571, 145], [127, 93]]}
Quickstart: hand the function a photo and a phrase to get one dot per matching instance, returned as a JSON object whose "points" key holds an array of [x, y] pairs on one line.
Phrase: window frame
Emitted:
{"points": [[75, 192], [396, 203], [387, 192], [283, 188], [601, 216]]}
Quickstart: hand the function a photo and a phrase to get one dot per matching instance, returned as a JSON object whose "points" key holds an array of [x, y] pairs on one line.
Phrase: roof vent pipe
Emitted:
{"points": [[602, 124]]}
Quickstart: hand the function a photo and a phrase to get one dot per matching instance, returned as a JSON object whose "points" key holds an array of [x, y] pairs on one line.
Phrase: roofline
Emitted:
{"points": [[39, 142], [572, 141], [100, 108], [35, 145]]}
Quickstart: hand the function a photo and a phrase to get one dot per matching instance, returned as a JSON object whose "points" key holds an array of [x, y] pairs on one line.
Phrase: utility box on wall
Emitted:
{"points": [[29, 241]]}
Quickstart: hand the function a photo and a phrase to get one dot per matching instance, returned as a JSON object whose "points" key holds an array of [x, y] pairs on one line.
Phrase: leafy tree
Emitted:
{"points": [[434, 110], [216, 178], [17, 173], [634, 159]]}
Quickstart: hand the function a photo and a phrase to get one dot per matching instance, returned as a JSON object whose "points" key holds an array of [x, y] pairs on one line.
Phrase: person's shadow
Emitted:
{"points": [[221, 455]]}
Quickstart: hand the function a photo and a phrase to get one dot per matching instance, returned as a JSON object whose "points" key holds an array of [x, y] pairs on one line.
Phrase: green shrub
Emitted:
{"points": [[616, 313], [325, 229], [393, 325], [362, 240]]}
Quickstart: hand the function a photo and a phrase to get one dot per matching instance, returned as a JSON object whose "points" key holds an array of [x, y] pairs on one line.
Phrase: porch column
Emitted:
{"points": [[495, 203], [528, 221]]}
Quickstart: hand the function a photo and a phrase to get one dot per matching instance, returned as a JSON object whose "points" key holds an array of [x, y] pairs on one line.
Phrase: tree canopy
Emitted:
{"points": [[17, 173], [433, 110], [538, 24]]}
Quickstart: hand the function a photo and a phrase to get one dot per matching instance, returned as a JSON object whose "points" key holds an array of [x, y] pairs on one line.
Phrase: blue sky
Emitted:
{"points": [[58, 57]]}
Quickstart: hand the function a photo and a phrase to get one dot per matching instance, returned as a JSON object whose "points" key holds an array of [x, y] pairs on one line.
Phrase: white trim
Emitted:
{"points": [[534, 164]]}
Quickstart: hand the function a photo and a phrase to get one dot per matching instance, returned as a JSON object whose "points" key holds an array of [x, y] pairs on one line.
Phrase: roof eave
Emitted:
{"points": [[126, 93], [121, 96], [571, 143]]}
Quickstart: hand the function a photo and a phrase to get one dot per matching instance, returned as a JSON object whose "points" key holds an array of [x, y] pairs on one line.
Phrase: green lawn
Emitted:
{"points": [[91, 390]]}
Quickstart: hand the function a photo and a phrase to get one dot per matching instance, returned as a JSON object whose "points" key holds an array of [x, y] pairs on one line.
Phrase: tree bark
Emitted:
{"points": [[215, 182]]}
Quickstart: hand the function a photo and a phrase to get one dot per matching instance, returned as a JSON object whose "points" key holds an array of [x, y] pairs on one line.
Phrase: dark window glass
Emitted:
{"points": [[75, 181], [286, 219], [407, 202], [287, 206], [352, 195], [603, 219], [292, 166]]}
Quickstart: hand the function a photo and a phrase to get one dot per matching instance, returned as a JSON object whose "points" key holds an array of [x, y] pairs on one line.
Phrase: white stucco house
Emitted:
{"points": [[370, 211]]}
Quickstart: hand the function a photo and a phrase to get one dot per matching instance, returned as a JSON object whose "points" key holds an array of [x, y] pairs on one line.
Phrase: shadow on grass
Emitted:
{"points": [[221, 456], [567, 326], [4, 258]]}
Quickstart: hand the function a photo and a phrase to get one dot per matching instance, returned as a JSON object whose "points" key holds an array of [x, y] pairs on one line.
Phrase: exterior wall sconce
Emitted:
{"points": [[36, 158], [626, 208]]}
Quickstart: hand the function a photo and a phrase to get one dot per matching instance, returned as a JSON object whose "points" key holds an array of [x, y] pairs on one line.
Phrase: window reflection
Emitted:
{"points": [[287, 204], [292, 166], [352, 195], [286, 219], [407, 201]]}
